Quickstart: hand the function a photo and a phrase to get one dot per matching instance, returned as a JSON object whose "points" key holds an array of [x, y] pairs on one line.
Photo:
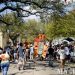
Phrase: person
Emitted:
{"points": [[62, 59], [8, 49], [0, 59], [58, 55], [15, 53], [51, 54], [21, 53], [26, 45], [51, 50], [4, 62], [31, 51], [67, 51]]}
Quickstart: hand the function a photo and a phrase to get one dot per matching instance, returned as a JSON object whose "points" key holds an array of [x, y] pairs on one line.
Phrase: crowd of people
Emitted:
{"points": [[22, 52]]}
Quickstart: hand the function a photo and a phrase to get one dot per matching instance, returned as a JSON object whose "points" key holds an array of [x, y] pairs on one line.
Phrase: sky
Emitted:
{"points": [[34, 17], [6, 11]]}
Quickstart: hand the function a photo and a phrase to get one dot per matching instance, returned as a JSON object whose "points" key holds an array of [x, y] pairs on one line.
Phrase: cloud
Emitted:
{"points": [[31, 17]]}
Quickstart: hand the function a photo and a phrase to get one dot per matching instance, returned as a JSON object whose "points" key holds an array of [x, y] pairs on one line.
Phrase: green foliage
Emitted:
{"points": [[26, 30], [58, 26], [15, 27], [61, 26], [68, 24], [33, 28]]}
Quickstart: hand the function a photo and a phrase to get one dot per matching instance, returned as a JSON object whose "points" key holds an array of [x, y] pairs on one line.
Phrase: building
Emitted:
{"points": [[3, 39]]}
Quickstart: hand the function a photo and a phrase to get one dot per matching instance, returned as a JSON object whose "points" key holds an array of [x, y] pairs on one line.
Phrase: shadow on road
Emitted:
{"points": [[23, 71]]}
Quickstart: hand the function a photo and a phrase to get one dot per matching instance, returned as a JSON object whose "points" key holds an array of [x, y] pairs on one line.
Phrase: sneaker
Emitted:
{"points": [[23, 68], [58, 71], [62, 72]]}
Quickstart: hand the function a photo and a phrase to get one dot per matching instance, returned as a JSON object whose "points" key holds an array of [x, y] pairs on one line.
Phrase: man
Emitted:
{"points": [[21, 56], [51, 55]]}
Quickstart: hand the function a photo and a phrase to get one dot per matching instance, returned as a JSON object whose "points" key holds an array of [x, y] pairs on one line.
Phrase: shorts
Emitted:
{"points": [[67, 57]]}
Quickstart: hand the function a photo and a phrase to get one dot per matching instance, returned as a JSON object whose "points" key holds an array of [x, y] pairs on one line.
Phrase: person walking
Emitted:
{"points": [[31, 52], [62, 59], [4, 62], [15, 53], [51, 55], [21, 62]]}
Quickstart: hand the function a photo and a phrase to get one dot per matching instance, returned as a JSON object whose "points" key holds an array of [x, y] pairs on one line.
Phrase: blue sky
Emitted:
{"points": [[2, 5], [4, 12]]}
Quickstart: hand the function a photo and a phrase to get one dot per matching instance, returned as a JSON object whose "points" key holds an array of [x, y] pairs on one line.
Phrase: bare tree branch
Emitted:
{"points": [[2, 21], [19, 9], [3, 1], [30, 2], [45, 5]]}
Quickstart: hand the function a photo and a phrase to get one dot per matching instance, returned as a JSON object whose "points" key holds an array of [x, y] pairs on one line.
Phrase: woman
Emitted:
{"points": [[62, 58], [4, 62]]}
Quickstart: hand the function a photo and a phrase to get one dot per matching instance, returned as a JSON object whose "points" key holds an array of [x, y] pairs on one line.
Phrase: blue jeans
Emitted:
{"points": [[5, 67], [0, 65]]}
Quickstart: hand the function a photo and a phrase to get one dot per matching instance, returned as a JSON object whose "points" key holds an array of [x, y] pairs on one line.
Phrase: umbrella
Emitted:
{"points": [[69, 39]]}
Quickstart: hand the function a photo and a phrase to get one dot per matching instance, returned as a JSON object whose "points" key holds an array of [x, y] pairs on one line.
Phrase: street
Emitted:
{"points": [[33, 70], [40, 69]]}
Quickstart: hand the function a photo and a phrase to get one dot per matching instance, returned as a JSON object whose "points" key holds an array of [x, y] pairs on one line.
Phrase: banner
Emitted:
{"points": [[44, 52], [35, 49], [39, 44], [40, 47]]}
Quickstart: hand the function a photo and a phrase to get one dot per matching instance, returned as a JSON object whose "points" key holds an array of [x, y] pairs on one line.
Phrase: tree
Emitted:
{"points": [[33, 29], [42, 7], [68, 24], [62, 26], [26, 30], [15, 28]]}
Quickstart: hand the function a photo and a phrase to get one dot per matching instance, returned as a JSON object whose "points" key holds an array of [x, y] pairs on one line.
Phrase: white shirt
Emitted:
{"points": [[67, 51], [31, 50], [62, 54]]}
